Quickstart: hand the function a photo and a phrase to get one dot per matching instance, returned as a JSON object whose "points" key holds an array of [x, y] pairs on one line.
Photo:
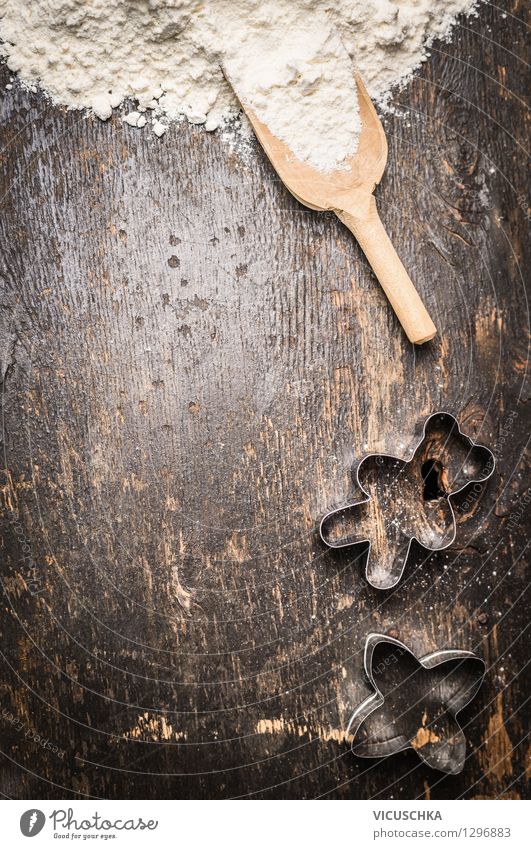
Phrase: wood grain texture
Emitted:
{"points": [[191, 362]]}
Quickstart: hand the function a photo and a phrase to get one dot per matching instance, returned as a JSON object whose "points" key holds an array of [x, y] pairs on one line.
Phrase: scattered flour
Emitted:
{"points": [[135, 119], [291, 59]]}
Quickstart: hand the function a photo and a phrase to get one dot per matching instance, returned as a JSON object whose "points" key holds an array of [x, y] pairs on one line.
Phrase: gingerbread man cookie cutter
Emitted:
{"points": [[408, 499]]}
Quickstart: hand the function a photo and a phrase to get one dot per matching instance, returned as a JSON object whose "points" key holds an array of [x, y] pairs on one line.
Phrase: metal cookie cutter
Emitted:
{"points": [[415, 703], [406, 500]]}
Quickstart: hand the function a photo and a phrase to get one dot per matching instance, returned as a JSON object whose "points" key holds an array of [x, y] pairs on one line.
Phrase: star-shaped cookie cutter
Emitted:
{"points": [[408, 499], [417, 711]]}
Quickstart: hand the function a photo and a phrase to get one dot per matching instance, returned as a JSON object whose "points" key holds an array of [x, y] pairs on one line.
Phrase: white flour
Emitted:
{"points": [[286, 56], [298, 78]]}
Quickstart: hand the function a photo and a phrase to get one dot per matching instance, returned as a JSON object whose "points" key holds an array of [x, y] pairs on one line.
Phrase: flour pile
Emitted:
{"points": [[291, 59]]}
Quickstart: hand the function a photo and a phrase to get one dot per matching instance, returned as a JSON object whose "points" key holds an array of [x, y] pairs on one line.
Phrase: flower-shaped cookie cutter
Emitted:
{"points": [[415, 703], [408, 499]]}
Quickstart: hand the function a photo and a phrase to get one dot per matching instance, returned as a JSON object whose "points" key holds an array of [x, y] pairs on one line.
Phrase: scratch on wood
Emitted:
{"points": [[497, 754], [283, 726], [153, 728]]}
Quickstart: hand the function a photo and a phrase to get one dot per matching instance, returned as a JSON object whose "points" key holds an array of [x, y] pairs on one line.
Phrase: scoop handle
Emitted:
{"points": [[393, 277]]}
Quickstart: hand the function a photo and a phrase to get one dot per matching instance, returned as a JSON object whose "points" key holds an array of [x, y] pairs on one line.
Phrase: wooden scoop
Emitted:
{"points": [[349, 193]]}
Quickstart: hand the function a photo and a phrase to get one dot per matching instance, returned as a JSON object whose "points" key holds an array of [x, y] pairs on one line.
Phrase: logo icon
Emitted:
{"points": [[31, 822]]}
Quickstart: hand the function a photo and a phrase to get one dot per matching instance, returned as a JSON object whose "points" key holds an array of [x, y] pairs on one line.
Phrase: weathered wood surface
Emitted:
{"points": [[191, 363]]}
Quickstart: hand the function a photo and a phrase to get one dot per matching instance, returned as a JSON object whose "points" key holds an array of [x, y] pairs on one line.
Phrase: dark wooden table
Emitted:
{"points": [[191, 364]]}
